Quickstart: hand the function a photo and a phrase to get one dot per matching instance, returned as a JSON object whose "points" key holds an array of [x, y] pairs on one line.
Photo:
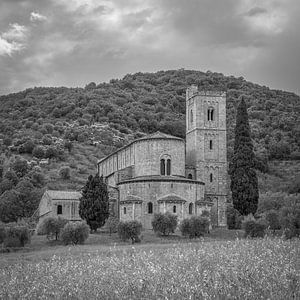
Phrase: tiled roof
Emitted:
{"points": [[63, 195], [161, 178], [132, 198], [159, 135], [171, 198]]}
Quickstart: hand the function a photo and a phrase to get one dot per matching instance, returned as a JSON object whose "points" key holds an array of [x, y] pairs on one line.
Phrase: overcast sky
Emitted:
{"points": [[73, 42]]}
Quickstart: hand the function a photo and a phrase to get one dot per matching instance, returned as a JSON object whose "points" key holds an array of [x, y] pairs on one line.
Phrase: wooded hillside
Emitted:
{"points": [[74, 127]]}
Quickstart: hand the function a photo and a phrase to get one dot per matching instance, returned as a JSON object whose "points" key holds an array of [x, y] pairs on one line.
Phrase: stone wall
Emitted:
{"points": [[148, 154], [142, 158], [153, 191], [70, 209], [132, 211], [119, 160]]}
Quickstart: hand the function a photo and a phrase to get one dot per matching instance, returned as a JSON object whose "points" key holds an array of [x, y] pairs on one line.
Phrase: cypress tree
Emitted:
{"points": [[94, 203], [244, 184]]}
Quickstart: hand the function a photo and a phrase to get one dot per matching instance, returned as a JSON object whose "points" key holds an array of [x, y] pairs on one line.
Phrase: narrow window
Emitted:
{"points": [[191, 208], [112, 208], [168, 166], [150, 207], [174, 209], [162, 167], [211, 177], [208, 114], [192, 116], [190, 176], [124, 210], [210, 145], [73, 208], [212, 115], [59, 209]]}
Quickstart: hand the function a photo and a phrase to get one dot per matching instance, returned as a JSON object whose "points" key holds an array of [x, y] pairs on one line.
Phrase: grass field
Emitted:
{"points": [[204, 269]]}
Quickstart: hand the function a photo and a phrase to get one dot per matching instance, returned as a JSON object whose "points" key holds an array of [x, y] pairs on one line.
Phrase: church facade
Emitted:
{"points": [[164, 173]]}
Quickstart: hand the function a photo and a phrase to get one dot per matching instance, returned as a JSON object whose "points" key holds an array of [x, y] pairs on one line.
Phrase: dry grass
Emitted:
{"points": [[236, 269]]}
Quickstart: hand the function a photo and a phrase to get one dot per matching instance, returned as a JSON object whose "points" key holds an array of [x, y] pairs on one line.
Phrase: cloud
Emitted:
{"points": [[16, 32], [7, 48], [35, 16], [72, 42], [256, 11], [13, 40]]}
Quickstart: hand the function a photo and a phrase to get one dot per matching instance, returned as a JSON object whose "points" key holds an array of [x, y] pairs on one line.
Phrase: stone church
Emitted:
{"points": [[164, 173]]}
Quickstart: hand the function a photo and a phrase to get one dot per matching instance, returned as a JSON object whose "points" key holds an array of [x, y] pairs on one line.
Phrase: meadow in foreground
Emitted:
{"points": [[240, 269]]}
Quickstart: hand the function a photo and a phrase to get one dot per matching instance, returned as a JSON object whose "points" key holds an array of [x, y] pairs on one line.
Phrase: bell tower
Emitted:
{"points": [[206, 146]]}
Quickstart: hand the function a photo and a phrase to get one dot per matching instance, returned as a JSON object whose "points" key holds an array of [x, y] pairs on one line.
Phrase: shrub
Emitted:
{"points": [[12, 242], [205, 214], [295, 155], [52, 227], [28, 124], [164, 224], [194, 227], [48, 128], [20, 167], [12, 176], [37, 178], [294, 187], [290, 221], [75, 233], [38, 152], [68, 145], [2, 233], [185, 227], [47, 139], [234, 218], [16, 235], [7, 141], [130, 230], [65, 173], [254, 228], [112, 224], [5, 185], [28, 146], [272, 218], [51, 152]]}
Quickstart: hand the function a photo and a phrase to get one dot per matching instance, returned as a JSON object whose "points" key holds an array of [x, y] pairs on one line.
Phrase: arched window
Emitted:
{"points": [[165, 165], [150, 207], [168, 166], [192, 119], [211, 177], [162, 167], [59, 209], [190, 176], [124, 210], [174, 209], [191, 208], [210, 114], [210, 144]]}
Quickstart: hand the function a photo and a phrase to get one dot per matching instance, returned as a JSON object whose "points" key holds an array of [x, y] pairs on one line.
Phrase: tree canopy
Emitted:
{"points": [[244, 183], [94, 203]]}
